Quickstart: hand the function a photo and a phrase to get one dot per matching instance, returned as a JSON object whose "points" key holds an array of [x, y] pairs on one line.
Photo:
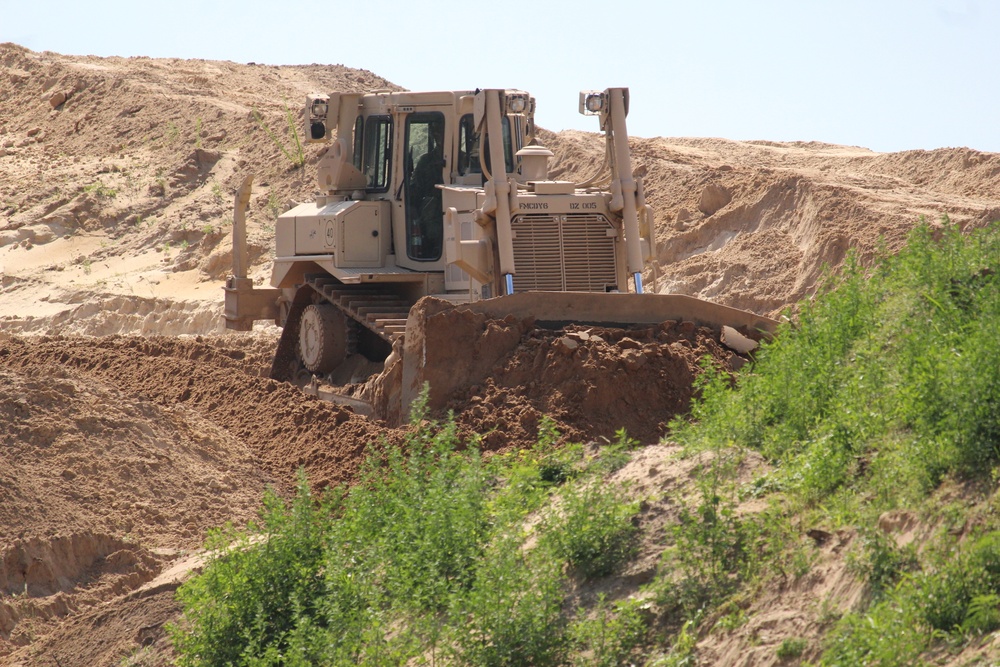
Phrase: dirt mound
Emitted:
{"points": [[85, 455], [44, 580], [117, 174], [97, 489], [127, 630], [592, 381], [118, 455], [500, 376], [282, 428]]}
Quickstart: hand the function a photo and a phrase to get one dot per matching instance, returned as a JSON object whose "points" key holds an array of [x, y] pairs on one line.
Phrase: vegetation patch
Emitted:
{"points": [[885, 387], [427, 557]]}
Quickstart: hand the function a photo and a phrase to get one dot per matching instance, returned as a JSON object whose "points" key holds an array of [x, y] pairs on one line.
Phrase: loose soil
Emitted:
{"points": [[131, 424]]}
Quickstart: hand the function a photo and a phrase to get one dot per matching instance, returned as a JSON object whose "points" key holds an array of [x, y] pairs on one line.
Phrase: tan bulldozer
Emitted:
{"points": [[448, 195]]}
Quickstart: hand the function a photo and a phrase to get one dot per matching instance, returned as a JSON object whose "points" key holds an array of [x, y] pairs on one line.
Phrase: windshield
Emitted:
{"points": [[469, 149]]}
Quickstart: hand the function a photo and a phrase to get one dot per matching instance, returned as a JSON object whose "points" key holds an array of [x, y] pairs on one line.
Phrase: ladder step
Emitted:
{"points": [[354, 300], [338, 290]]}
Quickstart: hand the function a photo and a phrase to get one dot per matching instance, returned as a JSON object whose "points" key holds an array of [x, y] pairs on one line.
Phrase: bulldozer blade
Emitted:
{"points": [[619, 309], [442, 351]]}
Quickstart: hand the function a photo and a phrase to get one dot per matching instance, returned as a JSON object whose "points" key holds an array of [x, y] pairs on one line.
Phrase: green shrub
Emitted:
{"points": [[608, 637], [421, 516], [957, 597], [946, 593], [714, 549], [887, 635], [982, 615], [709, 560], [592, 527], [887, 381], [240, 604], [424, 556], [512, 616], [791, 648], [880, 562]]}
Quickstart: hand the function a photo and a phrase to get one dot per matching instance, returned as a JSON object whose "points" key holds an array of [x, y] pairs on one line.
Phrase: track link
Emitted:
{"points": [[376, 308]]}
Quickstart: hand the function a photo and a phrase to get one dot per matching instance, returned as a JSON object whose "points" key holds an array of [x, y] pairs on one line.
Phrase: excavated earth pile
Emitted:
{"points": [[592, 381], [118, 455], [282, 428]]}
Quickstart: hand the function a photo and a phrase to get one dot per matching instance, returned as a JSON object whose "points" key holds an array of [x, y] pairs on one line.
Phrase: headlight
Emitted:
{"points": [[592, 102], [319, 108], [516, 104]]}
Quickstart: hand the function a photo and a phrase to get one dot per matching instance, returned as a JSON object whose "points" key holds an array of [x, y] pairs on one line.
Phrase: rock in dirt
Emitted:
{"points": [[713, 198], [57, 99], [568, 345], [736, 341]]}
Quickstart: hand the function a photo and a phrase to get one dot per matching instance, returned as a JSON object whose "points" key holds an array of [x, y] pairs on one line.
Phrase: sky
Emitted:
{"points": [[888, 75]]}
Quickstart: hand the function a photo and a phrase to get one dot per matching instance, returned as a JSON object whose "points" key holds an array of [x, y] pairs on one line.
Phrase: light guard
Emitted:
{"points": [[592, 102]]}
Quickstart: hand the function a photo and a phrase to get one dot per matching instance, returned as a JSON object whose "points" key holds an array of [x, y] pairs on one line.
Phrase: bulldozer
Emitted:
{"points": [[448, 195]]}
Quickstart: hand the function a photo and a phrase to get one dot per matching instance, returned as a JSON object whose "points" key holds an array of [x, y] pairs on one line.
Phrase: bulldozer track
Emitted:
{"points": [[379, 309], [376, 308]]}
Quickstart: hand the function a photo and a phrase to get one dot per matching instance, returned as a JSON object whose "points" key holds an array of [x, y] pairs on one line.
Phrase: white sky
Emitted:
{"points": [[886, 74]]}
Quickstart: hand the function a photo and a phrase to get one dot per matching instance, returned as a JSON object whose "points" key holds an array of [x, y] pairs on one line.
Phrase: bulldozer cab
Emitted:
{"points": [[404, 147]]}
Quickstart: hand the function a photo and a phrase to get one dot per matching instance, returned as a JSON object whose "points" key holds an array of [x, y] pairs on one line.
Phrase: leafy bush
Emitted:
{"points": [[958, 596], [592, 528], [714, 549], [513, 613], [880, 562], [887, 635], [607, 638], [791, 648], [709, 560], [424, 556], [240, 605], [945, 595], [887, 382], [421, 517]]}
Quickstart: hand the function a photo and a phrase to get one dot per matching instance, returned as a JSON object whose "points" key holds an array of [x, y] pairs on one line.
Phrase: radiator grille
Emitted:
{"points": [[564, 253]]}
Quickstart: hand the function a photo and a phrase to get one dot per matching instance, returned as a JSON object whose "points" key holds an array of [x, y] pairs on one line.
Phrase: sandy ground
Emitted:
{"points": [[119, 451]]}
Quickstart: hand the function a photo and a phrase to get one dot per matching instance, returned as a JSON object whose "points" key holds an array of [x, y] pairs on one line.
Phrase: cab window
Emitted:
{"points": [[424, 171], [378, 152], [469, 153], [359, 134]]}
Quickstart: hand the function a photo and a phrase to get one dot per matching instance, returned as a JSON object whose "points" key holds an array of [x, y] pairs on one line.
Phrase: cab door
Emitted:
{"points": [[424, 168]]}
